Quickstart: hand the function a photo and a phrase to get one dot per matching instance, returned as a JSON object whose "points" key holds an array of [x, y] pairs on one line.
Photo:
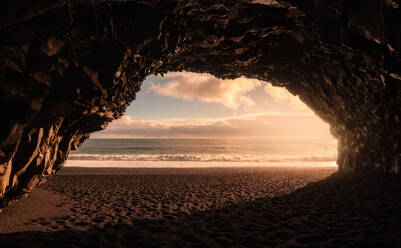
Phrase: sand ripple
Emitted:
{"points": [[252, 207]]}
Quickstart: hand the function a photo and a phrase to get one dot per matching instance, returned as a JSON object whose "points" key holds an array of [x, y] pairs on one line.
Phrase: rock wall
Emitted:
{"points": [[70, 67]]}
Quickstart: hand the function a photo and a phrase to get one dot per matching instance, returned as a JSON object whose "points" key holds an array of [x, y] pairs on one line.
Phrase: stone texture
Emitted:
{"points": [[70, 67]]}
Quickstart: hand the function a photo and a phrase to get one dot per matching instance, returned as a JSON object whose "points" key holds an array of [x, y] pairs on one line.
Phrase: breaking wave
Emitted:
{"points": [[316, 157]]}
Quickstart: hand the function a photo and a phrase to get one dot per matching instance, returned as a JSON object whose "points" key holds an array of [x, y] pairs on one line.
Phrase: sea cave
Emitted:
{"points": [[71, 67]]}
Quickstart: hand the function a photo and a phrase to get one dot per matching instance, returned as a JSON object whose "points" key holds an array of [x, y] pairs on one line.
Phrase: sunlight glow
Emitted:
{"points": [[253, 109]]}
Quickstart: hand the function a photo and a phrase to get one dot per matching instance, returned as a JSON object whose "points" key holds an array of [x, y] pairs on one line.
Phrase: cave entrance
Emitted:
{"points": [[71, 68], [195, 119]]}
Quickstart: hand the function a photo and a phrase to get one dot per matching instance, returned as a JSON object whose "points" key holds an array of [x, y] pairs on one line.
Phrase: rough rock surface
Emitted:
{"points": [[70, 67]]}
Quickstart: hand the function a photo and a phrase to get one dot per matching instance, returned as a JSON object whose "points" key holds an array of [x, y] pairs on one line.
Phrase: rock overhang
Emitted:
{"points": [[71, 67]]}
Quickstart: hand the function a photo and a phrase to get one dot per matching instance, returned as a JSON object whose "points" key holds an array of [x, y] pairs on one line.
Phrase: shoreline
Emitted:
{"points": [[191, 164]]}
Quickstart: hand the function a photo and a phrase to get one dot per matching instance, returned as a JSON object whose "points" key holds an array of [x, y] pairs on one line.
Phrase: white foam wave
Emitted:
{"points": [[315, 157]]}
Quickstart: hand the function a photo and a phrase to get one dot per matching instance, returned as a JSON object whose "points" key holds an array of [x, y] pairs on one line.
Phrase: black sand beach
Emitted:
{"points": [[213, 207]]}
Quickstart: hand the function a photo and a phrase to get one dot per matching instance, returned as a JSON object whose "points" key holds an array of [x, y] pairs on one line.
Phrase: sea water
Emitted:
{"points": [[204, 152]]}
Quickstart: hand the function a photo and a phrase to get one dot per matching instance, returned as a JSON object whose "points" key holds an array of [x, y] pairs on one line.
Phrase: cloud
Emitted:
{"points": [[292, 119], [206, 88], [230, 93], [267, 2], [255, 125], [281, 95]]}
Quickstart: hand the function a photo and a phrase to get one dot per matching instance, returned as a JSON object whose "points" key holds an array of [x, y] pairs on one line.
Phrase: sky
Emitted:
{"points": [[198, 105]]}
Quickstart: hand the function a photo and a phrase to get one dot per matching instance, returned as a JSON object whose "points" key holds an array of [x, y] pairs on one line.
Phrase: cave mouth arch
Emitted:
{"points": [[70, 68], [197, 120]]}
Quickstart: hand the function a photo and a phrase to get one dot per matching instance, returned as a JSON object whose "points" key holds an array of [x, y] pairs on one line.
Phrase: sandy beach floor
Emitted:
{"points": [[212, 207]]}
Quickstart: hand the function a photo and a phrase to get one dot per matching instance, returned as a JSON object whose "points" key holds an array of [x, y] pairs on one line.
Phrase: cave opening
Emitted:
{"points": [[191, 119], [70, 68]]}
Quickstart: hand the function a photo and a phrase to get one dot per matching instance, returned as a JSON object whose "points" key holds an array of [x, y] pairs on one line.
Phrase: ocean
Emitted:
{"points": [[203, 153]]}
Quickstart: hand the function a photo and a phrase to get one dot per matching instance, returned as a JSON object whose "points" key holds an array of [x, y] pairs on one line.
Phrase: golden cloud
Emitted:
{"points": [[255, 125], [207, 88]]}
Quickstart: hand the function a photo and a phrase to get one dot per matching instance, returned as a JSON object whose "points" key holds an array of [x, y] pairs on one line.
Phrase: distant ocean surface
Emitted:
{"points": [[203, 153]]}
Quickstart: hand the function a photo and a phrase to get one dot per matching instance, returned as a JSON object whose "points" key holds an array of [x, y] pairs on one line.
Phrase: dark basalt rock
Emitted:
{"points": [[70, 67]]}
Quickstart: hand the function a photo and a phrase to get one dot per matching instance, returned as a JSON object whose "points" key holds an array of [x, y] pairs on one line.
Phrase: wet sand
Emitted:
{"points": [[211, 207]]}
